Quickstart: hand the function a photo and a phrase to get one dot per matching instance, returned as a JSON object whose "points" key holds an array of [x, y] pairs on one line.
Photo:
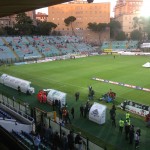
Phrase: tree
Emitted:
{"points": [[24, 24], [93, 26], [69, 22], [56, 33], [121, 36], [115, 28], [142, 24], [99, 28], [23, 18], [136, 35], [146, 27], [138, 23], [2, 31], [45, 28], [9, 30]]}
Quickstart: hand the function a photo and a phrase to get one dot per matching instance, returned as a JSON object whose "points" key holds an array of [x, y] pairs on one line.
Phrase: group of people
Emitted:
{"points": [[84, 109], [130, 132], [125, 125], [57, 141], [64, 115], [91, 94], [36, 141], [109, 96], [68, 142]]}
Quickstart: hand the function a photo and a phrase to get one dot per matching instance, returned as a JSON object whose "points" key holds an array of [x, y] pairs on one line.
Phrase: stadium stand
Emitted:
{"points": [[22, 47], [120, 45], [43, 45], [27, 139], [4, 114], [5, 51], [48, 129], [6, 137], [28, 47]]}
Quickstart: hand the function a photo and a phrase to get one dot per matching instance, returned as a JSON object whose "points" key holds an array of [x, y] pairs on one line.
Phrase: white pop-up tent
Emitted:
{"points": [[14, 83], [97, 113], [147, 65], [54, 95]]}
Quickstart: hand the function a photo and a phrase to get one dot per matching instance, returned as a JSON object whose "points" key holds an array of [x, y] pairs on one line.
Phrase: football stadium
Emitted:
{"points": [[62, 93], [76, 75]]}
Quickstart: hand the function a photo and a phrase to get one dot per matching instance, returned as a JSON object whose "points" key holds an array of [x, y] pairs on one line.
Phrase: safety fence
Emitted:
{"points": [[41, 117]]}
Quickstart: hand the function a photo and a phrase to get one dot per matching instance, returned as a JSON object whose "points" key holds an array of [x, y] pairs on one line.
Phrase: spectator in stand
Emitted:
{"points": [[62, 123], [46, 135], [70, 141], [37, 141], [50, 134], [78, 141], [43, 131], [56, 141], [64, 142]]}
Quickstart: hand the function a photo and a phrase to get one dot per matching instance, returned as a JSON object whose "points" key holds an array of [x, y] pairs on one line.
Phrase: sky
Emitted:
{"points": [[113, 2]]}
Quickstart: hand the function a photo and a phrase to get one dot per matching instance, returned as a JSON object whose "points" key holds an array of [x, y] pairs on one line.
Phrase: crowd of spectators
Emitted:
{"points": [[28, 47], [55, 140]]}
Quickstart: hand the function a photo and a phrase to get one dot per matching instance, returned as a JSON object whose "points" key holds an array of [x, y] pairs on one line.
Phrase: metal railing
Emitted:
{"points": [[40, 117]]}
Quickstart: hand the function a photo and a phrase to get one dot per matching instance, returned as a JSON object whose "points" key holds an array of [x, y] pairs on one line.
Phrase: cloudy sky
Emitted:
{"points": [[113, 2]]}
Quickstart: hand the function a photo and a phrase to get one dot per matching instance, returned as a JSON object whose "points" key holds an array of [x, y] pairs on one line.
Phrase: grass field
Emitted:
{"points": [[71, 76]]}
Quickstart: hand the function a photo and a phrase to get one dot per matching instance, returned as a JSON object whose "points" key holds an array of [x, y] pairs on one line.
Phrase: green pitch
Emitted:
{"points": [[71, 76]]}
